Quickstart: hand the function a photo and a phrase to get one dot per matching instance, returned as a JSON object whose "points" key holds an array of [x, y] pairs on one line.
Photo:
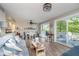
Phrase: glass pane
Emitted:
{"points": [[61, 31], [45, 27], [73, 31]]}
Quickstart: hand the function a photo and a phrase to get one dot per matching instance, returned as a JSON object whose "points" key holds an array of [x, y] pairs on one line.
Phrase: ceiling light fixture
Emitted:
{"points": [[47, 7]]}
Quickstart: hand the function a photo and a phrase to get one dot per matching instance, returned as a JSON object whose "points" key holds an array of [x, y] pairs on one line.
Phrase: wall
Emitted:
{"points": [[11, 23], [3, 21], [52, 26], [7, 22], [2, 17], [22, 25]]}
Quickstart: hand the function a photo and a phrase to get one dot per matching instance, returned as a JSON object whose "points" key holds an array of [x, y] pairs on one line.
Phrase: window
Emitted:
{"points": [[44, 28], [61, 31], [73, 31], [61, 26], [67, 31]]}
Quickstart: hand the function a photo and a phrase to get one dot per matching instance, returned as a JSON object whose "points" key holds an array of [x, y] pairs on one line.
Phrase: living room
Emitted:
{"points": [[37, 29]]}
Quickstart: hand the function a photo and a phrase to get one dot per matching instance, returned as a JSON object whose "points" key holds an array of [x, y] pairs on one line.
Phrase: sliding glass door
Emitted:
{"points": [[73, 31], [67, 31], [61, 31], [44, 31]]}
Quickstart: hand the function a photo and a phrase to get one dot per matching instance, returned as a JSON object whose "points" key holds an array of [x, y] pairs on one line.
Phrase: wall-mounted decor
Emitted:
{"points": [[8, 30]]}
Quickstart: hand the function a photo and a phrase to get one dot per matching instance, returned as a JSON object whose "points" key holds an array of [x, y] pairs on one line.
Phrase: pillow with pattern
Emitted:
{"points": [[11, 48], [18, 39], [12, 44]]}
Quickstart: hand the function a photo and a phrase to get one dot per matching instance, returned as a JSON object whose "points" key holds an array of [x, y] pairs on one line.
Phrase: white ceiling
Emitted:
{"points": [[34, 11]]}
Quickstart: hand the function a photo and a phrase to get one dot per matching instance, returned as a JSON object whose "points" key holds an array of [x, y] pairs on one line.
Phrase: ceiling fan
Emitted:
{"points": [[47, 7], [31, 22], [31, 25]]}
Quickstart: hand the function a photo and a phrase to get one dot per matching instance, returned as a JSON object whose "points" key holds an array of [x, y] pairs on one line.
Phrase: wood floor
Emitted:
{"points": [[55, 49], [51, 49]]}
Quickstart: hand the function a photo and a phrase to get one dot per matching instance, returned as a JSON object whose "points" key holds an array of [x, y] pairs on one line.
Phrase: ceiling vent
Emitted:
{"points": [[47, 7]]}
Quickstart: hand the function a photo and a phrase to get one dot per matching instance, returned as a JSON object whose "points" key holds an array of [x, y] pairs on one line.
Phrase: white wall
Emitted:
{"points": [[3, 23], [2, 18], [51, 26]]}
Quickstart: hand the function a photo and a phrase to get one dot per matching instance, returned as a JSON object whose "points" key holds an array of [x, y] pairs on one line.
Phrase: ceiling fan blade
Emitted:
{"points": [[34, 23]]}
